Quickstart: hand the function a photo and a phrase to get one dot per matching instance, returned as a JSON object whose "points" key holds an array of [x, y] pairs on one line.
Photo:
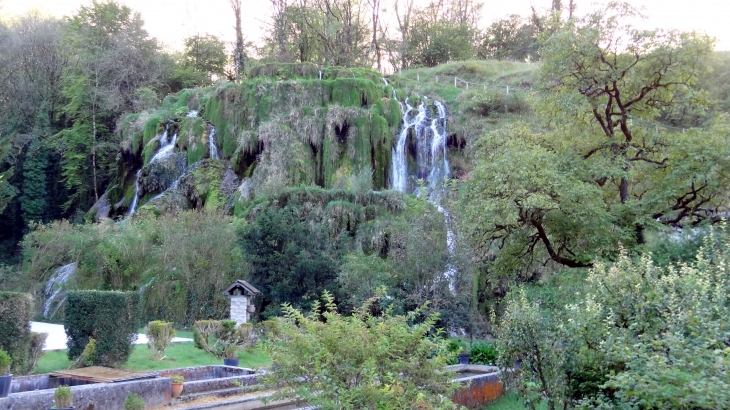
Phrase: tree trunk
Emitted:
{"points": [[93, 137], [238, 53]]}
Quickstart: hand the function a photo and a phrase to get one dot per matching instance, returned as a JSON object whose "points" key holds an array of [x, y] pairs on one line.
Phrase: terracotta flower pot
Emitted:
{"points": [[177, 389]]}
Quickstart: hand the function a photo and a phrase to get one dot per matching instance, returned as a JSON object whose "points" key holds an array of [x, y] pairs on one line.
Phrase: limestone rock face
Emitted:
{"points": [[289, 125], [100, 210]]}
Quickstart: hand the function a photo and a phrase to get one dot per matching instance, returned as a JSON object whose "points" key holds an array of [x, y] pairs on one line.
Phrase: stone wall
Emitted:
{"points": [[239, 309], [98, 396]]}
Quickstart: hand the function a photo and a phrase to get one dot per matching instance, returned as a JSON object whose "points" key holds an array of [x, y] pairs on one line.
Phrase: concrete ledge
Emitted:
{"points": [[199, 386], [98, 396]]}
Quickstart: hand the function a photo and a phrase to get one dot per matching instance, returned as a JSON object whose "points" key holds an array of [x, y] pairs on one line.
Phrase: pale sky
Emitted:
{"points": [[172, 20]]}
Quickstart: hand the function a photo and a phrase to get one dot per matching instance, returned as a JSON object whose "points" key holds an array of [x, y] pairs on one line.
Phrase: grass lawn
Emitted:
{"points": [[177, 355], [510, 402]]}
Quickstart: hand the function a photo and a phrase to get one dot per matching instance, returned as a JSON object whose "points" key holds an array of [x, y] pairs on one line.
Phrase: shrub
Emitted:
{"points": [[159, 336], [35, 351], [16, 310], [111, 318], [63, 397], [87, 356], [482, 353], [394, 363], [177, 378], [5, 362], [222, 338], [133, 402]]}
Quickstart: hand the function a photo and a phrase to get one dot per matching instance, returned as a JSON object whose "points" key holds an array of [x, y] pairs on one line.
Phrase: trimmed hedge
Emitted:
{"points": [[16, 310], [111, 318]]}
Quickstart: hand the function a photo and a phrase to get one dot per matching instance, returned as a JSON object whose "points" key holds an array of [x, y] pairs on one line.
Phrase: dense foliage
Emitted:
{"points": [[595, 176], [16, 311], [641, 336], [394, 364], [109, 318]]}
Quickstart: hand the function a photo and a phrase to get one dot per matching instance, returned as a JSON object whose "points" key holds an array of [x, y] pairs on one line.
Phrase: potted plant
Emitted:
{"points": [[231, 355], [5, 377], [63, 398], [464, 356], [177, 384]]}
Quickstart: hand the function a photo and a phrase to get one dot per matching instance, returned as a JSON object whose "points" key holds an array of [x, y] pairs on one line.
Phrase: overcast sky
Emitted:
{"points": [[172, 20]]}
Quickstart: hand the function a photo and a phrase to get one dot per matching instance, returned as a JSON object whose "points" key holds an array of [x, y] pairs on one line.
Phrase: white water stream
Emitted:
{"points": [[54, 288], [429, 132]]}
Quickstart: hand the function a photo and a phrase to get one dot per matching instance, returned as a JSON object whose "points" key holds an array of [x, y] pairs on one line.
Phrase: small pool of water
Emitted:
{"points": [[470, 373]]}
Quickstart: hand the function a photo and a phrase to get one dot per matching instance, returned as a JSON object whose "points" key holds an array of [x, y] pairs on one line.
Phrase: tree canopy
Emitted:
{"points": [[595, 176]]}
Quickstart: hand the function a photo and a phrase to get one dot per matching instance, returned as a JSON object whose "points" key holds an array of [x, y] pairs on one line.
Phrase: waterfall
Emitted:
{"points": [[192, 114], [133, 207], [211, 142], [167, 145], [54, 287], [430, 136]]}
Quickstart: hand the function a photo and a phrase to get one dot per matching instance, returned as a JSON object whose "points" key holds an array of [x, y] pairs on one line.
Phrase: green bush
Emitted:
{"points": [[159, 336], [133, 402], [222, 338], [482, 353], [16, 310], [35, 350], [392, 365], [5, 362], [111, 318]]}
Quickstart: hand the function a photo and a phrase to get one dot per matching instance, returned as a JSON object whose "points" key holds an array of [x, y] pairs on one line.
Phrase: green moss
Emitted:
{"points": [[152, 128], [149, 151]]}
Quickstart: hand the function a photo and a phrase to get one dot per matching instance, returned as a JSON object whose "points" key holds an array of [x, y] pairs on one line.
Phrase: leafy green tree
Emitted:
{"points": [[205, 54], [511, 38], [529, 343], [442, 31], [113, 57], [394, 364], [597, 176], [33, 202], [291, 260], [640, 336]]}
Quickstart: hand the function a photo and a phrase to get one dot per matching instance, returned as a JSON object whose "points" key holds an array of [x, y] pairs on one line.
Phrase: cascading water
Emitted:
{"points": [[432, 165], [211, 142], [54, 287], [167, 145], [133, 207]]}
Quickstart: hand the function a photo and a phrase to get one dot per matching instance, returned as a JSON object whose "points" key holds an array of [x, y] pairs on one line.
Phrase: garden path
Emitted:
{"points": [[57, 336]]}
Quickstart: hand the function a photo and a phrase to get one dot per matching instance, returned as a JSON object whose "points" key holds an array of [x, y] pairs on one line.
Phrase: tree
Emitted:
{"points": [[206, 54], [597, 177], [640, 336], [291, 261], [394, 364], [238, 52], [442, 31], [513, 38], [113, 57]]}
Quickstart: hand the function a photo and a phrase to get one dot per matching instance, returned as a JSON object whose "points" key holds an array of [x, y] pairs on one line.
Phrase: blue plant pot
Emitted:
{"points": [[231, 362], [464, 358], [5, 382]]}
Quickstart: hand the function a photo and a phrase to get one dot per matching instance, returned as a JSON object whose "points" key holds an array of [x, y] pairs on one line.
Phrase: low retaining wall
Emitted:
{"points": [[42, 382], [206, 372], [98, 396], [480, 389]]}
